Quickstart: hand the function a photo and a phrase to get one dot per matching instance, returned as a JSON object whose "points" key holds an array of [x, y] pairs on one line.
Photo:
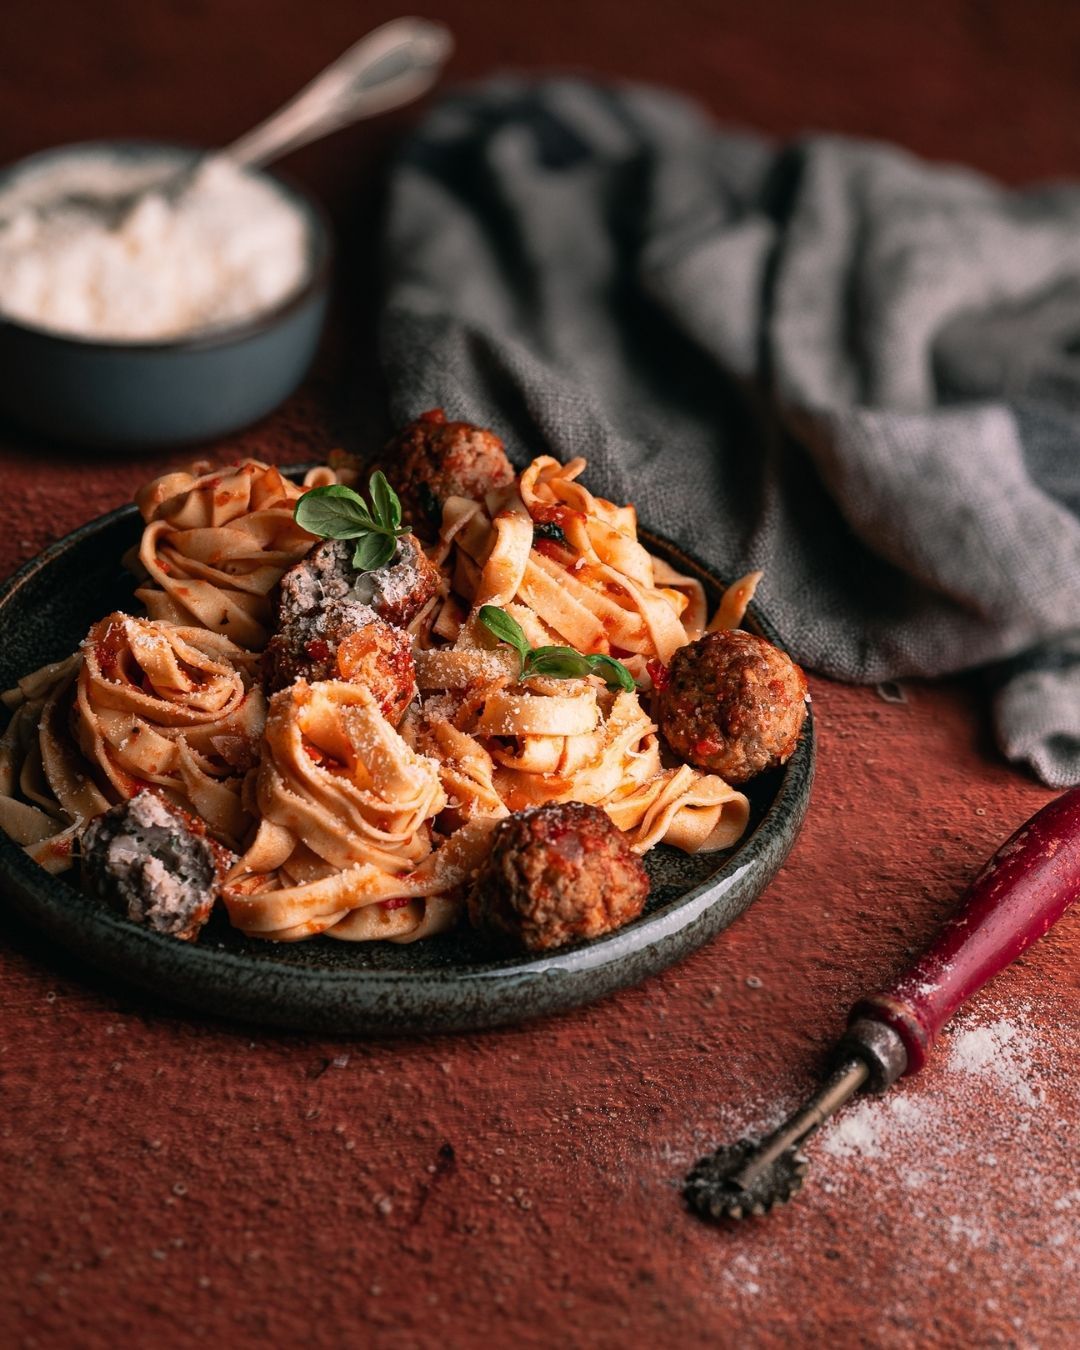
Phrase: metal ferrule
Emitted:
{"points": [[880, 1048]]}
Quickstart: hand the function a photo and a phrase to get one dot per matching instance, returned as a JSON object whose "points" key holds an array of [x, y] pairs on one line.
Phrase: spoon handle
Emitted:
{"points": [[389, 67], [1022, 891]]}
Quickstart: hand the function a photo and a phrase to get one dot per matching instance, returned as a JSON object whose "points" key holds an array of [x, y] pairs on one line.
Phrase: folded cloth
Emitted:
{"points": [[829, 360]]}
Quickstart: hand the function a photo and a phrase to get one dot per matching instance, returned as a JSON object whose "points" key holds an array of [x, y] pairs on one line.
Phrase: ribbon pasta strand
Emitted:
{"points": [[346, 807], [216, 544], [142, 704]]}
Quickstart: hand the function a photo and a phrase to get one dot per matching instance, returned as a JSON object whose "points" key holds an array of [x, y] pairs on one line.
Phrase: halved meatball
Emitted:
{"points": [[432, 459], [557, 874], [148, 859], [733, 704], [380, 657], [305, 648], [344, 641], [396, 593]]}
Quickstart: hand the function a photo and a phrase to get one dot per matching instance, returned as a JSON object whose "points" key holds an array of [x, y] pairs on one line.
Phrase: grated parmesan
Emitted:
{"points": [[229, 247]]}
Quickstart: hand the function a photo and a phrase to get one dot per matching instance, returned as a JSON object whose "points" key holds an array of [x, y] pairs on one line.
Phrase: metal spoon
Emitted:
{"points": [[391, 66]]}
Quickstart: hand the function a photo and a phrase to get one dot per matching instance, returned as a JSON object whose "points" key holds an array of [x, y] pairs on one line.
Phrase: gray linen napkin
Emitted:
{"points": [[828, 360]]}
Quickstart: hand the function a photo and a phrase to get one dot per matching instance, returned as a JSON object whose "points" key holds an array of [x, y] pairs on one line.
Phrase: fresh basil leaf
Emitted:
{"points": [[333, 512], [559, 663], [374, 551], [547, 529], [505, 627], [384, 501], [614, 674]]}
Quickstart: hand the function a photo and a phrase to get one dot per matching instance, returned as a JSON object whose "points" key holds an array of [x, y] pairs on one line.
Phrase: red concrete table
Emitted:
{"points": [[169, 1180]]}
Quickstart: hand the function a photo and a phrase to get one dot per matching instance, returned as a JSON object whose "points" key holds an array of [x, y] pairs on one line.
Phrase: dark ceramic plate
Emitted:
{"points": [[452, 982]]}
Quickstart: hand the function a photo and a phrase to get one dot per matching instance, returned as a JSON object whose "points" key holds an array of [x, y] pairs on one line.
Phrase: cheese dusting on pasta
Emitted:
{"points": [[343, 823]]}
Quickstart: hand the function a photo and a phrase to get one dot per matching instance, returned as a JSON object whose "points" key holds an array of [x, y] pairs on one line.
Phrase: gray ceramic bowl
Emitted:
{"points": [[136, 395]]}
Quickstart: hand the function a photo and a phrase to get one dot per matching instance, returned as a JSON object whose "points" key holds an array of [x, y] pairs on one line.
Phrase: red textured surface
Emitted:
{"points": [[173, 1181]]}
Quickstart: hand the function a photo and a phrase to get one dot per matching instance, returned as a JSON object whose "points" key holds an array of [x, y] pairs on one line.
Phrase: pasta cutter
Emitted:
{"points": [[1021, 892]]}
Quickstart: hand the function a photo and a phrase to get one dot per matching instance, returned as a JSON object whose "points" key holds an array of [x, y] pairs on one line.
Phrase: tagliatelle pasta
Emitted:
{"points": [[46, 791], [345, 809], [344, 823], [366, 833], [216, 544], [529, 745], [177, 708], [144, 703], [591, 585]]}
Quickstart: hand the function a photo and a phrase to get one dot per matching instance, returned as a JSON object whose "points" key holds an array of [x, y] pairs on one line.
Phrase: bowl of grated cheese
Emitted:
{"points": [[191, 315]]}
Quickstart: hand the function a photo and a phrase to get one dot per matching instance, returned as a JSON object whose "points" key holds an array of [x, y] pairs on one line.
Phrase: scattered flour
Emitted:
{"points": [[871, 1125], [973, 1156], [1001, 1051]]}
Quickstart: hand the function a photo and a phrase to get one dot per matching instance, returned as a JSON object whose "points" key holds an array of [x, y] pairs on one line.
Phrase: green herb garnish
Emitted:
{"points": [[337, 512], [547, 529], [558, 663]]}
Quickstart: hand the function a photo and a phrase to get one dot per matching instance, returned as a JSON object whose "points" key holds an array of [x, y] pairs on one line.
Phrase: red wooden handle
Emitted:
{"points": [[1022, 891]]}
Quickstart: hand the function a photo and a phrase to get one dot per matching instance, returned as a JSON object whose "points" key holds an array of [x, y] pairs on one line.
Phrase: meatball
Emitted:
{"points": [[335, 623], [733, 704], [557, 874], [380, 657], [306, 647], [396, 593], [432, 459], [154, 864], [344, 641]]}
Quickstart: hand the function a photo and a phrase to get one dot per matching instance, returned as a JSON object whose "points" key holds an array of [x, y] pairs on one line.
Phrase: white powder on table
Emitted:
{"points": [[1000, 1051], [870, 1125], [230, 247], [973, 1157]]}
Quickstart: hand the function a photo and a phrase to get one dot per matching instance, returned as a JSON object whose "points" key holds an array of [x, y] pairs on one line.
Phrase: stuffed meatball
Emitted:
{"points": [[149, 860], [396, 593], [344, 641]]}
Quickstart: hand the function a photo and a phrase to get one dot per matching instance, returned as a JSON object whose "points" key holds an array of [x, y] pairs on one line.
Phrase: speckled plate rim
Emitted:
{"points": [[403, 1002]]}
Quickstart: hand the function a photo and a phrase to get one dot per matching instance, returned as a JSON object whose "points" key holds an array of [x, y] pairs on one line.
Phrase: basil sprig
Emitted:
{"points": [[547, 529], [558, 663], [337, 512]]}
